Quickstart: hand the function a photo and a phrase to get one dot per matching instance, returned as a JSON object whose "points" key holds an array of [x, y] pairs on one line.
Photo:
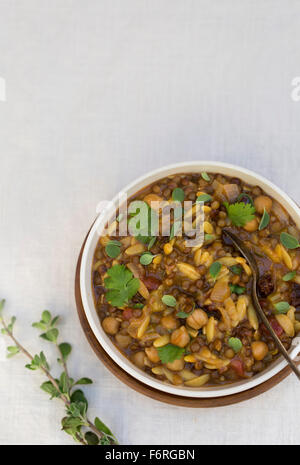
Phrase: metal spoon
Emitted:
{"points": [[247, 254]]}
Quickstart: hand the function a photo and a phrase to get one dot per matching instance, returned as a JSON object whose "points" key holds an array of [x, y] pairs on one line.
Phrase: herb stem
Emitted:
{"points": [[28, 355], [53, 381]]}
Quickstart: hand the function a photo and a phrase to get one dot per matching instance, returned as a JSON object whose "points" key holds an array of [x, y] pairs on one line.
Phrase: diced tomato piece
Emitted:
{"points": [[238, 366], [127, 313], [152, 283], [275, 325]]}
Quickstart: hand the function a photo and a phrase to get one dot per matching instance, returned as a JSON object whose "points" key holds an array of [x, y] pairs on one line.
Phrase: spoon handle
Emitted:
{"points": [[247, 254], [276, 339]]}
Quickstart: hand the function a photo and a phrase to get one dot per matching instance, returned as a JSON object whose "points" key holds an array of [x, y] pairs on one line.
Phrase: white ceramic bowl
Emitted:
{"points": [[86, 267]]}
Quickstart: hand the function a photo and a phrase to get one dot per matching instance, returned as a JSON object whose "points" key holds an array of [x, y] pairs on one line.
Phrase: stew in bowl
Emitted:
{"points": [[182, 313]]}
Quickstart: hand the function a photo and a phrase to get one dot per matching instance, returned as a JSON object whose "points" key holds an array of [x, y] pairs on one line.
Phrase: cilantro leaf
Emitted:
{"points": [[240, 213], [121, 285], [169, 353]]}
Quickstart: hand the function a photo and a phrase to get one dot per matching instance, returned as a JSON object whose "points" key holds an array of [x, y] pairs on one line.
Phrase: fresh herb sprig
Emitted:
{"points": [[121, 285], [76, 422], [240, 213], [170, 353]]}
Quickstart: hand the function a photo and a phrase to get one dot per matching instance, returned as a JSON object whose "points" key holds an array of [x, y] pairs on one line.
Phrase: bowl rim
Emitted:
{"points": [[86, 285]]}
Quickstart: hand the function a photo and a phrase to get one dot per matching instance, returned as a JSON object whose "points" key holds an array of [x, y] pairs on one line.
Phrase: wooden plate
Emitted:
{"points": [[154, 393]]}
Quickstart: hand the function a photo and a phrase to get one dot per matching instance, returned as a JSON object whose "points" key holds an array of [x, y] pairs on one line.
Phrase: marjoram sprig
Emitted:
{"points": [[76, 422]]}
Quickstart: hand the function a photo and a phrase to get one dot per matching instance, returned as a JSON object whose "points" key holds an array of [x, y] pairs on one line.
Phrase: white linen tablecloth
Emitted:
{"points": [[98, 93]]}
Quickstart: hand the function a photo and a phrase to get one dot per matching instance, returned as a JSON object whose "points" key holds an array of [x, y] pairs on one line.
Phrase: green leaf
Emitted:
{"points": [[50, 335], [121, 284], [43, 360], [2, 303], [46, 316], [265, 220], [247, 196], [40, 325], [72, 423], [74, 409], [236, 289], [290, 242], [146, 258], [182, 314], [240, 213], [205, 176], [151, 242], [169, 300], [204, 198], [77, 409], [137, 305], [147, 222], [91, 438], [11, 324], [143, 239], [235, 343], [31, 367], [54, 321], [12, 350], [215, 269], [78, 396], [113, 249], [35, 363], [178, 195], [174, 229], [236, 269], [169, 353], [289, 276], [84, 381], [282, 307], [102, 427], [209, 237], [50, 389], [65, 350], [64, 383]]}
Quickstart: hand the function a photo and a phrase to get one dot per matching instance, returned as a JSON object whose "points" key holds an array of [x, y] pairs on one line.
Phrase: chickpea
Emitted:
{"points": [[263, 202], [229, 353], [252, 225], [259, 350], [177, 365], [180, 337], [152, 354], [110, 325], [138, 359], [169, 322], [197, 319], [123, 340]]}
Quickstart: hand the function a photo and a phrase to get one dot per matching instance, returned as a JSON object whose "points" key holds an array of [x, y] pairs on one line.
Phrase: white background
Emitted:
{"points": [[98, 93]]}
